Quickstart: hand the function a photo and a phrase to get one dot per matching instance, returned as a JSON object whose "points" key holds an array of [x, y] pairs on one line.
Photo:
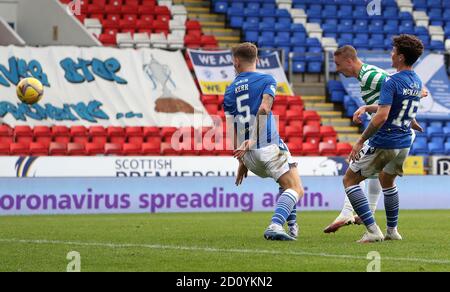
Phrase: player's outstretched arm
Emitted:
{"points": [[375, 124], [260, 124], [416, 126], [362, 110]]}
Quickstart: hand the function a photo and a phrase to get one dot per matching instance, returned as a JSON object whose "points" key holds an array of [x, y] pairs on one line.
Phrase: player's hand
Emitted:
{"points": [[241, 174], [424, 92], [355, 154], [240, 152], [416, 126], [358, 114]]}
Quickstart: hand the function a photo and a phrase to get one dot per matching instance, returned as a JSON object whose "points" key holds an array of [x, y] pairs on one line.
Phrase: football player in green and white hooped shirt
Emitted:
{"points": [[371, 79]]}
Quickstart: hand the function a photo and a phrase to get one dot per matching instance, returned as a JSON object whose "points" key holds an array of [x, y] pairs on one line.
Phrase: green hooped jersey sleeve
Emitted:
{"points": [[371, 78]]}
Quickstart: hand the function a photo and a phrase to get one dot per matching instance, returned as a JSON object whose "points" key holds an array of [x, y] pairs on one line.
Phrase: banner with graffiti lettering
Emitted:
{"points": [[430, 68], [215, 71], [100, 86]]}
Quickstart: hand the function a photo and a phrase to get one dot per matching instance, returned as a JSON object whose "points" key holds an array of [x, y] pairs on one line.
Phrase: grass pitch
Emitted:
{"points": [[216, 242]]}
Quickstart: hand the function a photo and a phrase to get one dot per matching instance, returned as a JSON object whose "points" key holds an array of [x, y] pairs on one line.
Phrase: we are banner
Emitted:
{"points": [[215, 71]]}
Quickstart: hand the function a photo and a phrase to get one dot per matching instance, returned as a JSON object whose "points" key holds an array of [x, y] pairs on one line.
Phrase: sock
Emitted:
{"points": [[285, 205], [292, 219], [360, 204], [391, 204], [347, 210], [374, 193]]}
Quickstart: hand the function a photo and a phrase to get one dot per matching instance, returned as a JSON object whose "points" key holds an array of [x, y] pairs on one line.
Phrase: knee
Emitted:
{"points": [[346, 181], [300, 191]]}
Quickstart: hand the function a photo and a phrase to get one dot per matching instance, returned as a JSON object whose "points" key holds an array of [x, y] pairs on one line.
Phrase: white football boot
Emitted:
{"points": [[372, 236], [392, 234], [277, 232]]}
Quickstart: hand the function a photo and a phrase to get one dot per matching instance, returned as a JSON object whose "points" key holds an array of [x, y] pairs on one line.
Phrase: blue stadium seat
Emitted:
{"points": [[437, 46], [221, 7], [446, 131], [447, 148], [436, 148], [299, 67], [299, 54], [337, 96], [419, 149], [315, 67]]}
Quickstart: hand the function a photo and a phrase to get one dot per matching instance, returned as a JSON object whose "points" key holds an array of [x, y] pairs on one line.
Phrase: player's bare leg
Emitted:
{"points": [[293, 190], [391, 203], [361, 206]]}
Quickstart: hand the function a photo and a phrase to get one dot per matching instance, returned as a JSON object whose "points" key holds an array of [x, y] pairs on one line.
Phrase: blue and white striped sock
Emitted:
{"points": [[360, 204], [285, 205], [392, 205], [292, 219]]}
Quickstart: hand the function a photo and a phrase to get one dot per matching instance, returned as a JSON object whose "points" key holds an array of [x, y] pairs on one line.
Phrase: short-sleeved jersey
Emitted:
{"points": [[371, 78], [242, 101], [402, 91]]}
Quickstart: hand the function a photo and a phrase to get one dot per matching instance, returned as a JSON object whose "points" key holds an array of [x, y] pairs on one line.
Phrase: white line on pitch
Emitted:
{"points": [[219, 250]]}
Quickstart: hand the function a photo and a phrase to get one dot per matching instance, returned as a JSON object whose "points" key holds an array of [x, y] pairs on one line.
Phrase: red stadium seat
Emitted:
{"points": [[113, 149], [294, 115], [311, 134], [151, 132], [116, 135], [146, 9], [343, 149], [167, 133], [111, 22], [135, 135], [19, 149], [58, 149], [160, 26], [23, 134], [98, 134], [327, 149], [310, 149], [39, 149], [208, 40], [279, 109], [132, 149], [167, 149], [114, 7], [42, 134], [162, 10], [76, 149], [6, 134], [310, 116], [61, 134], [192, 41], [293, 132], [95, 149], [328, 134], [295, 148], [4, 149], [295, 140], [130, 8], [145, 24], [128, 22], [79, 134], [108, 39], [151, 149]]}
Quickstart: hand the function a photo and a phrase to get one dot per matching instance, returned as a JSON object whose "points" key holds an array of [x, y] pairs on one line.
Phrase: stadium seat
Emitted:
{"points": [[116, 135], [38, 149], [130, 149], [135, 135], [311, 134], [58, 149], [327, 149], [76, 149], [310, 149], [23, 134], [343, 149], [6, 135], [98, 134], [19, 149], [4, 149], [113, 149], [42, 134], [95, 149], [79, 135]]}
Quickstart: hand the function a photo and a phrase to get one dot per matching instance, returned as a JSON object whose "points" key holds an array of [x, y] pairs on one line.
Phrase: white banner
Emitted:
{"points": [[440, 165], [111, 166], [215, 71], [101, 86]]}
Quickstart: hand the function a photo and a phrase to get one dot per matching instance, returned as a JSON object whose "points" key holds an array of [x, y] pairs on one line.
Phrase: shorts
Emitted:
{"points": [[269, 161], [372, 161]]}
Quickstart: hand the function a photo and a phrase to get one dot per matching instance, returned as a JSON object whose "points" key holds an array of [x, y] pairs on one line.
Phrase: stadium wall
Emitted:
{"points": [[8, 11], [52, 26], [8, 36], [30, 196]]}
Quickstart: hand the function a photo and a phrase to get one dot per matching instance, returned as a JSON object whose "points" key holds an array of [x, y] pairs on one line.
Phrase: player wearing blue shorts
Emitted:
{"points": [[390, 138], [248, 101]]}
